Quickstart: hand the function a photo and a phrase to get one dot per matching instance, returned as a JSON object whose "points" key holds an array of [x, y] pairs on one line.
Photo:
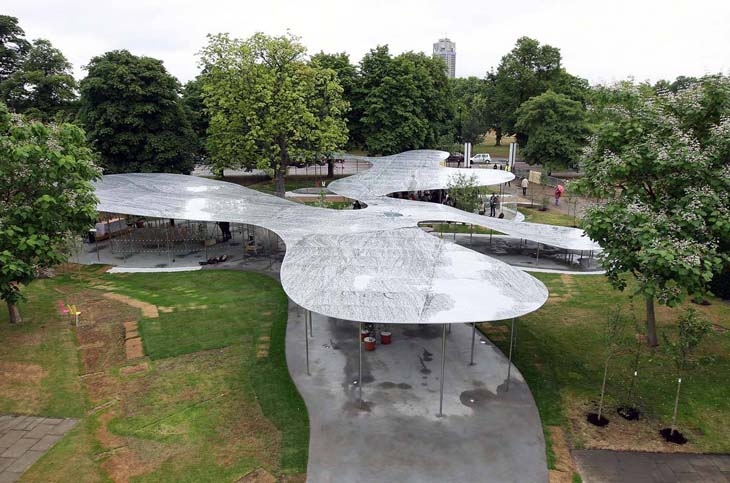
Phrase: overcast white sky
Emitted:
{"points": [[602, 41]]}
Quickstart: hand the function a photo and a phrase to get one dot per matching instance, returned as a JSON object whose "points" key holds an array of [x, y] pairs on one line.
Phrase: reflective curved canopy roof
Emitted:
{"points": [[370, 265]]}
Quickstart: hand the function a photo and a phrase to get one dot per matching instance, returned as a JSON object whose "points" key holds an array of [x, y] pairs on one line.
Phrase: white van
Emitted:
{"points": [[481, 158]]}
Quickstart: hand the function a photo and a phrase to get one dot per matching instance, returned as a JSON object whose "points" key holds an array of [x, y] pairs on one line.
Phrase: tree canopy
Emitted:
{"points": [[556, 128], [46, 195], [133, 115], [661, 162], [13, 46], [404, 101], [527, 71], [268, 105], [42, 86]]}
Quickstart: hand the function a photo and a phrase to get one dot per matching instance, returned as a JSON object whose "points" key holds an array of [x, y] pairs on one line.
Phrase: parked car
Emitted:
{"points": [[457, 158], [481, 158]]}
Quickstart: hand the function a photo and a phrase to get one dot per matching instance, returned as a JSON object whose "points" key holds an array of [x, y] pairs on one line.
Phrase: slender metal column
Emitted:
{"points": [[306, 339], [359, 377], [511, 344], [443, 370], [473, 336], [311, 331]]}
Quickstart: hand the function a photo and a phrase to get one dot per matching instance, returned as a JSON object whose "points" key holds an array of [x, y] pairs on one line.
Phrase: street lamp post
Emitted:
{"points": [[96, 244]]}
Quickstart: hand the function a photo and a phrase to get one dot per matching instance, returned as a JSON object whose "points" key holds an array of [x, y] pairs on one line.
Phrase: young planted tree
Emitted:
{"points": [[464, 190], [613, 338], [268, 106], [691, 330], [660, 163], [47, 195]]}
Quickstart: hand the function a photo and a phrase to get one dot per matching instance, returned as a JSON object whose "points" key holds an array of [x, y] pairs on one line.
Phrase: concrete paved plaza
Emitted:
{"points": [[486, 434], [24, 439]]}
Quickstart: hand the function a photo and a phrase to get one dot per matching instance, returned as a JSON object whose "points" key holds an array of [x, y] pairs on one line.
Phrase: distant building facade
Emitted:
{"points": [[446, 49]]}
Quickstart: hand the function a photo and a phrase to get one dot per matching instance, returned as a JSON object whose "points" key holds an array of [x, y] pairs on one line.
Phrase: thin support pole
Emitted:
{"points": [[511, 345], [311, 330], [443, 370], [359, 376], [306, 338], [537, 257], [473, 337], [676, 405]]}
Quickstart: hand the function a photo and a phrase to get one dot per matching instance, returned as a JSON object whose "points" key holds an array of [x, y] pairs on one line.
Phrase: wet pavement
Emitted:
{"points": [[488, 432]]}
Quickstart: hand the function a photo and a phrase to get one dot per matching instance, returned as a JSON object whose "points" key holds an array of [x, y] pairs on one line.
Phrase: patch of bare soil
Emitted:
{"points": [[259, 475], [120, 462], [19, 382], [564, 466], [19, 371], [250, 435], [619, 434], [148, 310]]}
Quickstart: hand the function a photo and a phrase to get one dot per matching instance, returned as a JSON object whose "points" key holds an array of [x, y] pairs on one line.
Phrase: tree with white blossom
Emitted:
{"points": [[660, 162]]}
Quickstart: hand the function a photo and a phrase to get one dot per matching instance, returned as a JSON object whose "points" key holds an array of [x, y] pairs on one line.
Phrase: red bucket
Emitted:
{"points": [[369, 343], [385, 337], [364, 333]]}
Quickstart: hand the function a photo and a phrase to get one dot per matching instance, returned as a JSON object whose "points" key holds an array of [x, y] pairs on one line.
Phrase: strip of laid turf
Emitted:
{"points": [[225, 308]]}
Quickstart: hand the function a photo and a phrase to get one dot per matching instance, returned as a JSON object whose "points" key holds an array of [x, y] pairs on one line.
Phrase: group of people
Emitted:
{"points": [[493, 205]]}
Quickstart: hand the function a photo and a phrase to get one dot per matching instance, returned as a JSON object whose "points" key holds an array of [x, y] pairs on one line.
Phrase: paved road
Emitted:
{"points": [[603, 466]]}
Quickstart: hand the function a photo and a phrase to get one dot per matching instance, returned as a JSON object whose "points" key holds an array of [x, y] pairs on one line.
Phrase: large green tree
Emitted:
{"points": [[470, 108], [43, 85], [527, 71], [268, 105], [662, 165], [13, 46], [131, 109], [404, 101], [556, 128], [47, 195], [347, 76], [194, 107]]}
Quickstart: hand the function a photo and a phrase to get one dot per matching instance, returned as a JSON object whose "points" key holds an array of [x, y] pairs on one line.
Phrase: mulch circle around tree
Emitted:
{"points": [[629, 413], [593, 419], [672, 436]]}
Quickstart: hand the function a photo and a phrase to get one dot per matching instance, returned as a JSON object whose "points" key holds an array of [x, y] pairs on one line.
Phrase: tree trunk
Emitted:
{"points": [[280, 169], [330, 168], [498, 136], [651, 338], [14, 313]]}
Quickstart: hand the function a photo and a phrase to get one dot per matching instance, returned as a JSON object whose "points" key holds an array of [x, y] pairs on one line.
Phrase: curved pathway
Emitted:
{"points": [[487, 433]]}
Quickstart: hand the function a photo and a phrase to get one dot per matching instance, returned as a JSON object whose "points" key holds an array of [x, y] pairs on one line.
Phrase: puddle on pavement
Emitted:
{"points": [[392, 385], [476, 398]]}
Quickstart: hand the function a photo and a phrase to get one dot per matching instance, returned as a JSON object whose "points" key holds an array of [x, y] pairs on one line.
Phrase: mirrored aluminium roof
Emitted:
{"points": [[370, 265]]}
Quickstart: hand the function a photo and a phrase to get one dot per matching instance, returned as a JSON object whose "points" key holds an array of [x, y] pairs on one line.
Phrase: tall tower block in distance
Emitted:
{"points": [[446, 49]]}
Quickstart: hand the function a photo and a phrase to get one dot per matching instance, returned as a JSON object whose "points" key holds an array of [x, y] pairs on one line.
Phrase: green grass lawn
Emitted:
{"points": [[38, 364], [214, 402], [549, 217], [457, 228], [292, 183], [559, 352]]}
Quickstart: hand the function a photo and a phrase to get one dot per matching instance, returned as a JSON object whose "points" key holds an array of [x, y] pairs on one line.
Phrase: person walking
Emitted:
{"points": [[493, 205], [525, 184], [558, 193]]}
